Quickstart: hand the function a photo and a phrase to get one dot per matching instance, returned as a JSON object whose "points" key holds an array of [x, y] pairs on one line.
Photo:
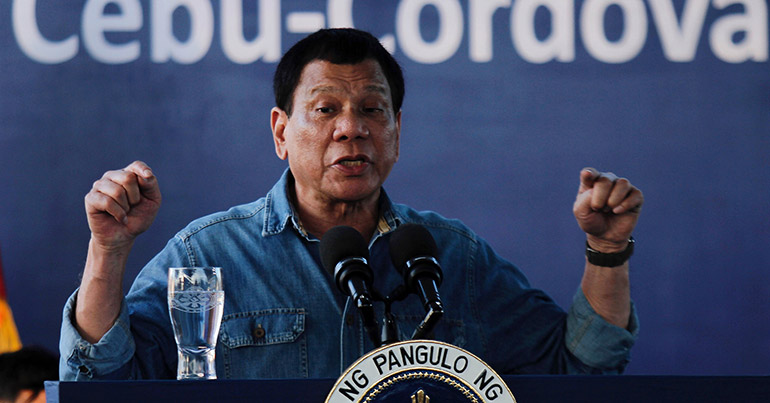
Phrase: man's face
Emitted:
{"points": [[343, 135]]}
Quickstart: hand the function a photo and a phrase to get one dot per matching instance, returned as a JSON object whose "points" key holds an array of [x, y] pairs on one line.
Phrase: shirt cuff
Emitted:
{"points": [[596, 342], [81, 360]]}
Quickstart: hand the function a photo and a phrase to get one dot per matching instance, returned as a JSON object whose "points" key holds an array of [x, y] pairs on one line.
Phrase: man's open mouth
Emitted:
{"points": [[352, 163]]}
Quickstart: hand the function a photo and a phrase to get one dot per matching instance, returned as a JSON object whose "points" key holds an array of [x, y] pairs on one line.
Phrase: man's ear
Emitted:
{"points": [[278, 121]]}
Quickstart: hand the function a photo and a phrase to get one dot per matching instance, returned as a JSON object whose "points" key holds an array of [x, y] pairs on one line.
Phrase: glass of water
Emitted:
{"points": [[195, 304]]}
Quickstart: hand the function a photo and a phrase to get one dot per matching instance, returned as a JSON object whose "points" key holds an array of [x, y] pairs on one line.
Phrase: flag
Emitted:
{"points": [[9, 336]]}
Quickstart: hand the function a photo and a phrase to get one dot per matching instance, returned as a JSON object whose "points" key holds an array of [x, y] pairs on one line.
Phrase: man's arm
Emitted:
{"points": [[120, 206], [607, 209]]}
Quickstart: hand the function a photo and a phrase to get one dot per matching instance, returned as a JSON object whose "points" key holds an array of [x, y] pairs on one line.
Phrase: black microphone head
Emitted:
{"points": [[409, 241], [340, 243]]}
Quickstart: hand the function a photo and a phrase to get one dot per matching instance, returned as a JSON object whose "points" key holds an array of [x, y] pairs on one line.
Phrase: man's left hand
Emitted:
{"points": [[607, 209]]}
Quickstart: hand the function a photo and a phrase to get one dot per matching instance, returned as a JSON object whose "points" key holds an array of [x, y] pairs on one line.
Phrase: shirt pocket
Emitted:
{"points": [[264, 344]]}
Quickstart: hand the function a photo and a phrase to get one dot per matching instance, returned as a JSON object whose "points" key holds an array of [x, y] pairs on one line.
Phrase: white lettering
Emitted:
{"points": [[389, 43], [304, 22], [32, 42], [165, 46], [736, 37], [340, 13], [753, 22], [96, 23], [560, 44], [480, 27], [634, 30], [267, 44], [679, 42], [450, 30]]}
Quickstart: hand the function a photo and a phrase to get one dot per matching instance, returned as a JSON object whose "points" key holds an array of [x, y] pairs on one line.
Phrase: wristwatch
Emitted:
{"points": [[609, 259]]}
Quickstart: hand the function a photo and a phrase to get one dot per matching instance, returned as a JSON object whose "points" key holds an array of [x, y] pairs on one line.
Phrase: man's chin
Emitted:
{"points": [[351, 194]]}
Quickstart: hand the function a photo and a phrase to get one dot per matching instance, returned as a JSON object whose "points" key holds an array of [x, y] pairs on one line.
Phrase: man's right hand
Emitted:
{"points": [[121, 205]]}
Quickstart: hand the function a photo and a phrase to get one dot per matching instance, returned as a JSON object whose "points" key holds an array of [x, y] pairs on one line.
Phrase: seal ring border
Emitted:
{"points": [[383, 348]]}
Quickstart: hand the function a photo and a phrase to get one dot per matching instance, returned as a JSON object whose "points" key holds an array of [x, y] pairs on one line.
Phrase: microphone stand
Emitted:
{"points": [[389, 328], [366, 309], [390, 332], [432, 317]]}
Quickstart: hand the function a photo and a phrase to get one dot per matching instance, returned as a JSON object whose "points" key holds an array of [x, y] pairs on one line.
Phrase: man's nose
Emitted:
{"points": [[350, 125]]}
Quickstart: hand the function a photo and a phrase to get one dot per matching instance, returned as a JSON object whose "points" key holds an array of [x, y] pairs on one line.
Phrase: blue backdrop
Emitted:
{"points": [[506, 101]]}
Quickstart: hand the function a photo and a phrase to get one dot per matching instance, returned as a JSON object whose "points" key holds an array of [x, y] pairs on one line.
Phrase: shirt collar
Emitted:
{"points": [[280, 211]]}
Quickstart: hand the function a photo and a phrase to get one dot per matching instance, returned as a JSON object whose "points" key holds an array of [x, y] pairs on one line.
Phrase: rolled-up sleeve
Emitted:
{"points": [[596, 342], [81, 360]]}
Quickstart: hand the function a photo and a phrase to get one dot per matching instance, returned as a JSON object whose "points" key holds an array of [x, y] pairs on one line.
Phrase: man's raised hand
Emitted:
{"points": [[121, 205], [607, 209]]}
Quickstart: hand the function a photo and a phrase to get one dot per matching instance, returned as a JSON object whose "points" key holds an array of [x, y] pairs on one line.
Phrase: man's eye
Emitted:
{"points": [[324, 109], [373, 110]]}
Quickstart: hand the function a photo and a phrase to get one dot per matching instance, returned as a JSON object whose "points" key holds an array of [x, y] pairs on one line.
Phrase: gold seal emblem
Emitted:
{"points": [[420, 370]]}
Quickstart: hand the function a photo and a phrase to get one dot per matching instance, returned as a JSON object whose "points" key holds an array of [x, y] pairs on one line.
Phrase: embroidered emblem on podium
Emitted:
{"points": [[419, 371]]}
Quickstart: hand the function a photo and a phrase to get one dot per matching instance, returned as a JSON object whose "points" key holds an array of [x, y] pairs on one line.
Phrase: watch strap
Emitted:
{"points": [[610, 259]]}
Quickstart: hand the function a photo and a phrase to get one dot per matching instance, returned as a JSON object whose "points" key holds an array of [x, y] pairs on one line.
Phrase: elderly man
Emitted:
{"points": [[337, 121]]}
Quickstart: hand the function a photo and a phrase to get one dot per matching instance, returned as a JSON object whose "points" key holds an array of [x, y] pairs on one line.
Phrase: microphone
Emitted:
{"points": [[413, 251], [344, 255]]}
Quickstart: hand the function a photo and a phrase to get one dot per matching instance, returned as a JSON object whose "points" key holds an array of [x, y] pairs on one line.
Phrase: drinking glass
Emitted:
{"points": [[195, 305]]}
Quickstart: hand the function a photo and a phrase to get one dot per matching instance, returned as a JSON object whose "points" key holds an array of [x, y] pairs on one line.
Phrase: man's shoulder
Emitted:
{"points": [[434, 221], [246, 215]]}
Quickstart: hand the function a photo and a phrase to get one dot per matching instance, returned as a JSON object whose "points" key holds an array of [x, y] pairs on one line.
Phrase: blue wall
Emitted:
{"points": [[503, 108]]}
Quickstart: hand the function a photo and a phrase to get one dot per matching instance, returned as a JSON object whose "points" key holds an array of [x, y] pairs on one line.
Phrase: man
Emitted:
{"points": [[337, 121]]}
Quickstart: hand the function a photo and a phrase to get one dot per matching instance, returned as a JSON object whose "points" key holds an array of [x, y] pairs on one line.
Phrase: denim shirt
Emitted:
{"points": [[284, 317]]}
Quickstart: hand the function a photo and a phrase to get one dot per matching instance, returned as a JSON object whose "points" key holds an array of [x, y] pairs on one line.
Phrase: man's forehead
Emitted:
{"points": [[321, 76]]}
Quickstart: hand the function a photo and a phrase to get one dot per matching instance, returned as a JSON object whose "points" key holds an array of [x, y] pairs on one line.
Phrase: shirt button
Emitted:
{"points": [[259, 331]]}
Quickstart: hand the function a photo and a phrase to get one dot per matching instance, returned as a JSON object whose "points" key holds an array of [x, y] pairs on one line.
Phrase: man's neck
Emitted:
{"points": [[319, 216]]}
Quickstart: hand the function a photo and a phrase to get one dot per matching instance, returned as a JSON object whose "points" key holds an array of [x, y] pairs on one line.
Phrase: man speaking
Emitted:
{"points": [[337, 121]]}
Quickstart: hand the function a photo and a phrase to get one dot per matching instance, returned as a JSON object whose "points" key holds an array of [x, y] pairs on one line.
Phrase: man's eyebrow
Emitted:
{"points": [[380, 89], [324, 88], [376, 88]]}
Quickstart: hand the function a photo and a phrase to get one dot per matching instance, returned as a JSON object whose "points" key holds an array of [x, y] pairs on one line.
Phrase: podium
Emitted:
{"points": [[525, 388]]}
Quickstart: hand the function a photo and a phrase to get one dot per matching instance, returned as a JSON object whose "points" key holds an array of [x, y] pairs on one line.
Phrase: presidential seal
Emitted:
{"points": [[419, 371]]}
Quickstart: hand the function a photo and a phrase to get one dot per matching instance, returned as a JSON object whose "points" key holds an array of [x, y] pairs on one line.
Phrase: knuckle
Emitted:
{"points": [[124, 177], [95, 201], [605, 178], [120, 177], [111, 174]]}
